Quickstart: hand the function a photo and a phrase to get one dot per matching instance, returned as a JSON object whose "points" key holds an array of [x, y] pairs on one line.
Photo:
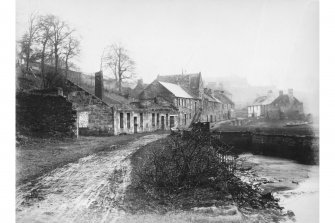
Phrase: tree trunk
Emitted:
{"points": [[42, 63], [119, 84], [56, 59], [66, 66], [28, 57]]}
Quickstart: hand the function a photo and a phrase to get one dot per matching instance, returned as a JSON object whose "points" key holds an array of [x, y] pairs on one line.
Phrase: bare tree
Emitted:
{"points": [[71, 49], [60, 31], [28, 39], [120, 63], [44, 37]]}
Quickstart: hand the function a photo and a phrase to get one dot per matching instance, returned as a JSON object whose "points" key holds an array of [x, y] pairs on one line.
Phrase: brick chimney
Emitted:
{"points": [[140, 82], [99, 84], [281, 93]]}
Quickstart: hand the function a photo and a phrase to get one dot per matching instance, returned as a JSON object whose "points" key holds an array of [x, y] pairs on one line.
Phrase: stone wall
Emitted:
{"points": [[94, 116], [45, 115], [154, 90], [304, 149]]}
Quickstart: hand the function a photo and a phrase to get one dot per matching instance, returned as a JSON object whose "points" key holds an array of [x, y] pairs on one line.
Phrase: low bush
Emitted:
{"points": [[187, 160]]}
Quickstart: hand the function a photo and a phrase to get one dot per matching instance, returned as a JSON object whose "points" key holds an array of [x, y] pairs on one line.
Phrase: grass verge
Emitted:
{"points": [[37, 156]]}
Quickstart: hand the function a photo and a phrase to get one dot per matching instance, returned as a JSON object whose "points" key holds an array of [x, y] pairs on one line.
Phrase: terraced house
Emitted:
{"points": [[187, 94], [173, 101]]}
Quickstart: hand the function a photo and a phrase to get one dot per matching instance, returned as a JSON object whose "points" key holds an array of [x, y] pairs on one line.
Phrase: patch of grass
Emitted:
{"points": [[37, 156]]}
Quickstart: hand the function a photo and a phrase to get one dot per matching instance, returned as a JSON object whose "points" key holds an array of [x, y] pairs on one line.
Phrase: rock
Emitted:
{"points": [[229, 197], [290, 213]]}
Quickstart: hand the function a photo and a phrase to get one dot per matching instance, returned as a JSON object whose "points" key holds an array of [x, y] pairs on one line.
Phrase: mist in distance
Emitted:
{"points": [[268, 44]]}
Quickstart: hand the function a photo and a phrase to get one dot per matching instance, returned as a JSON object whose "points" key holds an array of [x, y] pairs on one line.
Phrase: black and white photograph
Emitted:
{"points": [[167, 111]]}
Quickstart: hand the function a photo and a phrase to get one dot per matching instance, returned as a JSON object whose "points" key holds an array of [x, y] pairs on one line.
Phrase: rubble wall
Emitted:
{"points": [[304, 149], [94, 116], [45, 115]]}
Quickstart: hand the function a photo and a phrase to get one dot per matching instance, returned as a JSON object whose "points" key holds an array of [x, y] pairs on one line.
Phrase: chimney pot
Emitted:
{"points": [[281, 93], [290, 92]]}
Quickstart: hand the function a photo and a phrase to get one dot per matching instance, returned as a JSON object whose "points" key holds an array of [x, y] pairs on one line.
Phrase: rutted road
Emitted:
{"points": [[80, 192]]}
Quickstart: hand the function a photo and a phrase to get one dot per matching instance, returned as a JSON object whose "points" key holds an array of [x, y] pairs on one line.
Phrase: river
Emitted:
{"points": [[296, 185]]}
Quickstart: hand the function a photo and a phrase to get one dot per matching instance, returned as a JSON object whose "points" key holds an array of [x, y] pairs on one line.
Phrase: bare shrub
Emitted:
{"points": [[186, 160]]}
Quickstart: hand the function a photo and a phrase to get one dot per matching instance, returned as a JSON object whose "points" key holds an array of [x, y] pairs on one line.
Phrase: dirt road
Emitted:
{"points": [[87, 191]]}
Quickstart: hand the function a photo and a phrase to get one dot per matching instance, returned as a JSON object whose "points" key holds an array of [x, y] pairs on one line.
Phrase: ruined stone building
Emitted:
{"points": [[283, 106], [172, 101]]}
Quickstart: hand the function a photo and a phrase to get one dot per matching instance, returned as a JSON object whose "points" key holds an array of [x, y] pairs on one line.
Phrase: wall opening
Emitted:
{"points": [[128, 120], [121, 120]]}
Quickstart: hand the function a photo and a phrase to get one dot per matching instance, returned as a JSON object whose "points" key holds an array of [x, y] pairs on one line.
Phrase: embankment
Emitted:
{"points": [[304, 149]]}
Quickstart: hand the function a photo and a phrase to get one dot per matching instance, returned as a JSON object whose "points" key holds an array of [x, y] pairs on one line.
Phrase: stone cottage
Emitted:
{"points": [[258, 107], [284, 106], [102, 113]]}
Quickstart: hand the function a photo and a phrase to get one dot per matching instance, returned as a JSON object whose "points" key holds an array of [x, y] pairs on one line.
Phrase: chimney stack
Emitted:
{"points": [[140, 82], [281, 93], [99, 84]]}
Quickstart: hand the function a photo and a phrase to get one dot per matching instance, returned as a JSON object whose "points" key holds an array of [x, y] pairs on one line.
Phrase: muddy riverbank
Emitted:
{"points": [[295, 185]]}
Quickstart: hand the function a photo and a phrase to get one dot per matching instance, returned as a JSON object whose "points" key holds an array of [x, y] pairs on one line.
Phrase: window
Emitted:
{"points": [[83, 119], [195, 106], [121, 120], [167, 121], [153, 120], [185, 117], [128, 120], [190, 115], [171, 121], [157, 119], [141, 120]]}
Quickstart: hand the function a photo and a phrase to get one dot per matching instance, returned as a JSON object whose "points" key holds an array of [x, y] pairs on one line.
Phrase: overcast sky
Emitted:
{"points": [[270, 42]]}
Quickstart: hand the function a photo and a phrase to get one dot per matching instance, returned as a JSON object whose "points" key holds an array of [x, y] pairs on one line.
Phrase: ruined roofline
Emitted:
{"points": [[95, 97], [174, 75]]}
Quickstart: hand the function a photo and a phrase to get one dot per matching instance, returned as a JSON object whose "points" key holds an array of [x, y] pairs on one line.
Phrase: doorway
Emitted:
{"points": [[135, 124], [163, 123]]}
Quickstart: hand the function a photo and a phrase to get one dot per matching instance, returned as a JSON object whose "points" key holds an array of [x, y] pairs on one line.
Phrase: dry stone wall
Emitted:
{"points": [[45, 115]]}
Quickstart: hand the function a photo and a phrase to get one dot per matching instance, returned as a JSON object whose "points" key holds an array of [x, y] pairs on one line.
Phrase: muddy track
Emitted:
{"points": [[90, 190]]}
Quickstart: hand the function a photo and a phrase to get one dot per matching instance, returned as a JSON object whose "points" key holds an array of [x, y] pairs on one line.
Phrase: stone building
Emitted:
{"points": [[193, 102], [284, 106], [104, 113], [258, 107], [174, 101]]}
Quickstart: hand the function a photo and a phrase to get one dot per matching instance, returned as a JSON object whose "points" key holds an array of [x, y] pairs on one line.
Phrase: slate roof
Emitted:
{"points": [[175, 89], [264, 100], [224, 99], [285, 99], [189, 82]]}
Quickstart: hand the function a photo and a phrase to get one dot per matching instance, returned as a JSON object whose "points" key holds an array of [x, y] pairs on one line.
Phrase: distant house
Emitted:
{"points": [[258, 107], [284, 106]]}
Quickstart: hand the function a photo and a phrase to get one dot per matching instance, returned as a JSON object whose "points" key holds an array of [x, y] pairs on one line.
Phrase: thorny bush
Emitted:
{"points": [[186, 160]]}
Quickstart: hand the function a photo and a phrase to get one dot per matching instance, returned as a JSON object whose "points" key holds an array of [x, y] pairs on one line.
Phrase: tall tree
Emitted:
{"points": [[44, 37], [71, 49], [28, 39], [120, 63], [60, 31]]}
